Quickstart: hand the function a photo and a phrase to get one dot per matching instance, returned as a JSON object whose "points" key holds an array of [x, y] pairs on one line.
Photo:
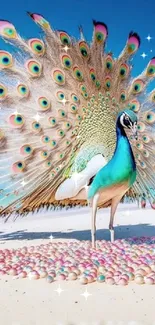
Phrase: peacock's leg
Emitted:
{"points": [[114, 205], [93, 227]]}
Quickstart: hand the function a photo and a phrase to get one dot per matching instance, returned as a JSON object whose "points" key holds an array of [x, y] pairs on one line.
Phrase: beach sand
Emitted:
{"points": [[35, 302]]}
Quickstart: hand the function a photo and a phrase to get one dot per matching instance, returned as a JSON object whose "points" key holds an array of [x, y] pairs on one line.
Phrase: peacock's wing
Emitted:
{"points": [[59, 101]]}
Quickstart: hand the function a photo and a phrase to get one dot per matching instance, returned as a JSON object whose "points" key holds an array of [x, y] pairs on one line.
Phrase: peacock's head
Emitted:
{"points": [[128, 119]]}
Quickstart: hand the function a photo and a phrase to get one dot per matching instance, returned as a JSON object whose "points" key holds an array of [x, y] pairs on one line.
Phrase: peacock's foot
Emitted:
{"points": [[112, 235]]}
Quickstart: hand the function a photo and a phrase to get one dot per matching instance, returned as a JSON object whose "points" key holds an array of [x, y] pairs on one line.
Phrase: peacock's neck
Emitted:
{"points": [[123, 148], [120, 133]]}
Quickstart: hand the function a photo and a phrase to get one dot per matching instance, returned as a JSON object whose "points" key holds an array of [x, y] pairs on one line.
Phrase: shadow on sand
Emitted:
{"points": [[121, 232]]}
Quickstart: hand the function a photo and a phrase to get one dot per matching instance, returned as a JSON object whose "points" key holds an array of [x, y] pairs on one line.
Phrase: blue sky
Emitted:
{"points": [[120, 16]]}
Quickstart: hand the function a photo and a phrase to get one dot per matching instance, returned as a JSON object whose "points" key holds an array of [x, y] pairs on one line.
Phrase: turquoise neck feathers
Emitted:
{"points": [[122, 145], [120, 169]]}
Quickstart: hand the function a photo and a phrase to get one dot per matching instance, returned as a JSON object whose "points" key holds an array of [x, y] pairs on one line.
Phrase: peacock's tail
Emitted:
{"points": [[59, 100]]}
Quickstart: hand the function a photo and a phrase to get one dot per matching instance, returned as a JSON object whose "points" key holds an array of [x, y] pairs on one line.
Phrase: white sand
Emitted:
{"points": [[30, 302]]}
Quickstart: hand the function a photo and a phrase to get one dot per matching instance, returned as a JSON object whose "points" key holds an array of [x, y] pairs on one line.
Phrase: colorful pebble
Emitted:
{"points": [[111, 263], [101, 278]]}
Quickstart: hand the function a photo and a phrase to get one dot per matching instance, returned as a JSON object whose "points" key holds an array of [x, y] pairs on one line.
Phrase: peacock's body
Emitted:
{"points": [[64, 107]]}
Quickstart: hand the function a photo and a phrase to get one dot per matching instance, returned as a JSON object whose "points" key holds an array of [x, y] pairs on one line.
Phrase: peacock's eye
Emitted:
{"points": [[126, 118]]}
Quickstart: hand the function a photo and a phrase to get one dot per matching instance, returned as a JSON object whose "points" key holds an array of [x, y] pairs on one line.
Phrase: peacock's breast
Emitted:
{"points": [[123, 170]]}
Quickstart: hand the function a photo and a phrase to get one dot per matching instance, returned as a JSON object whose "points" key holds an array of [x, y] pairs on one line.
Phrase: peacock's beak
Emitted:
{"points": [[134, 131], [136, 135]]}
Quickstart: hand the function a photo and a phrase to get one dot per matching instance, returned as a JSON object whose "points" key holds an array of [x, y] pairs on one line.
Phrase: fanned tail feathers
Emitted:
{"points": [[59, 100]]}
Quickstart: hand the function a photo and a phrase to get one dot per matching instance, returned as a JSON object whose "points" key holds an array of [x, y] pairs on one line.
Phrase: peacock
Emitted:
{"points": [[70, 113]]}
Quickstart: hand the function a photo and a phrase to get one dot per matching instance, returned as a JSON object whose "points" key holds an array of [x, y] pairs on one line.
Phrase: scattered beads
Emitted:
{"points": [[116, 263], [101, 278], [49, 279]]}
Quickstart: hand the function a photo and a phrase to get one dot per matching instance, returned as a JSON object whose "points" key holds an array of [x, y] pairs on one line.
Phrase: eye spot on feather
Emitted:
{"points": [[139, 145], [61, 133], [6, 60], [141, 127], [107, 83], [47, 164], [60, 95], [36, 46], [73, 108], [92, 75], [7, 30], [146, 153], [77, 73], [79, 117], [124, 71], [100, 32], [133, 43], [44, 154], [83, 88], [45, 139], [53, 143], [18, 167], [146, 138], [152, 97], [52, 120], [44, 103], [64, 38], [85, 95], [58, 77], [36, 127], [123, 96], [66, 61], [61, 155], [74, 98], [150, 71], [142, 164], [138, 156], [98, 84], [150, 117], [3, 92], [67, 125], [68, 143], [62, 113], [109, 63], [16, 121], [84, 49], [53, 173], [138, 86], [134, 105], [34, 68], [26, 150], [22, 90]]}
